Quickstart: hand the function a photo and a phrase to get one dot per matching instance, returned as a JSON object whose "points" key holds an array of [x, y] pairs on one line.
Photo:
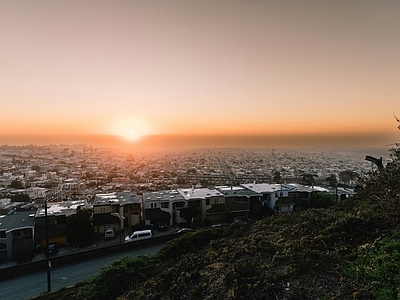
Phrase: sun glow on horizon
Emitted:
{"points": [[129, 128]]}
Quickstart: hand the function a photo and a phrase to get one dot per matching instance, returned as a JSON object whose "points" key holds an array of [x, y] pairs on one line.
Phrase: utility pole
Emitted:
{"points": [[47, 248]]}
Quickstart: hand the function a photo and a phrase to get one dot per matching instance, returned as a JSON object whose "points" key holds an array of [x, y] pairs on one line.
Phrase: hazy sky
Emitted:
{"points": [[199, 67]]}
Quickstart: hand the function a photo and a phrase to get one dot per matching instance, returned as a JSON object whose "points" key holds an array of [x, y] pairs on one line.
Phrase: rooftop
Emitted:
{"points": [[61, 208], [199, 193], [18, 219], [234, 191], [165, 195], [264, 187], [295, 187], [120, 198]]}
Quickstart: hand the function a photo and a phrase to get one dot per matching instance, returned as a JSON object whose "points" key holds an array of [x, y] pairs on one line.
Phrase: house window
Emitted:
{"points": [[3, 234], [164, 204], [207, 201], [102, 209], [215, 201], [281, 194], [179, 204]]}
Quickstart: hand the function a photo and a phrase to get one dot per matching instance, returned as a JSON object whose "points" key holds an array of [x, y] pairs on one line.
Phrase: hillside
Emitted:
{"points": [[349, 251]]}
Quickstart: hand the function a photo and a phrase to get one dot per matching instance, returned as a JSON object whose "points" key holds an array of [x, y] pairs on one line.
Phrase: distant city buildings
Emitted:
{"points": [[124, 191]]}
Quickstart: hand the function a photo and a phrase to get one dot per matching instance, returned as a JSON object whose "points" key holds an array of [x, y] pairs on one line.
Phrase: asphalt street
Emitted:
{"points": [[32, 285]]}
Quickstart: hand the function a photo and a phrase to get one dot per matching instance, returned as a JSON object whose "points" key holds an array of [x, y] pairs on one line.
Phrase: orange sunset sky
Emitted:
{"points": [[71, 70]]}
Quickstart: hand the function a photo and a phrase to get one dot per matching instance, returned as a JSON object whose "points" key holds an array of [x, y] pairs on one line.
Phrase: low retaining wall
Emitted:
{"points": [[83, 254]]}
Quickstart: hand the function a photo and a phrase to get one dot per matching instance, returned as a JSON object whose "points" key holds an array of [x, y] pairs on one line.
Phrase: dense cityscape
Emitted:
{"points": [[124, 191], [68, 172]]}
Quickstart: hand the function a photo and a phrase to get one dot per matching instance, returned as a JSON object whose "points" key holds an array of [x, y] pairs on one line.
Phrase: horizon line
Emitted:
{"points": [[208, 140]]}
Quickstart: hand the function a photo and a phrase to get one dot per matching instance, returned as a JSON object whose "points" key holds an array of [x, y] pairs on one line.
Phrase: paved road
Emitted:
{"points": [[32, 285]]}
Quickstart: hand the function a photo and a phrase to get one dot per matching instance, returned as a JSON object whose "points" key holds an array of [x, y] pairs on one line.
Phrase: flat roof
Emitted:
{"points": [[61, 208], [120, 198], [264, 187], [235, 191], [18, 219], [295, 187], [203, 193], [165, 195]]}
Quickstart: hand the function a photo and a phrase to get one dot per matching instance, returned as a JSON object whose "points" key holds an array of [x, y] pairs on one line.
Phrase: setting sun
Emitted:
{"points": [[131, 135], [130, 128]]}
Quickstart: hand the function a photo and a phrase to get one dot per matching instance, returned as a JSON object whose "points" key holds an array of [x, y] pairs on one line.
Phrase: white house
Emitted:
{"points": [[273, 195]]}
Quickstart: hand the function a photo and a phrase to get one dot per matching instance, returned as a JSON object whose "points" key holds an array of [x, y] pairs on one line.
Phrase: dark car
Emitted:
{"points": [[53, 248], [162, 226], [38, 248]]}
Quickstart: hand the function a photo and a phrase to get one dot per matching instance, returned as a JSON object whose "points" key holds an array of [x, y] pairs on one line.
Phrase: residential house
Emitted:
{"points": [[299, 194], [341, 193], [274, 196], [240, 202], [16, 235], [57, 214], [117, 210], [35, 193], [163, 206], [204, 199]]}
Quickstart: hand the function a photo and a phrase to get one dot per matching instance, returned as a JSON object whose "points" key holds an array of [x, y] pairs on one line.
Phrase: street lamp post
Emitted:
{"points": [[47, 247]]}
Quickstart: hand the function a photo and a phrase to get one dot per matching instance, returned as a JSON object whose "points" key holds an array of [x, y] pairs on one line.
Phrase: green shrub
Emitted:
{"points": [[322, 200], [123, 275], [190, 242], [376, 268]]}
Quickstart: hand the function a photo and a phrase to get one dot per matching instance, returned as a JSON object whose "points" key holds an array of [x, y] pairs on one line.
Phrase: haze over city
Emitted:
{"points": [[195, 73]]}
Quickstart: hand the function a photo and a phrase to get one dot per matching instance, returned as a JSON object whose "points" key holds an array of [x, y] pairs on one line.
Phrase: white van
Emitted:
{"points": [[139, 235]]}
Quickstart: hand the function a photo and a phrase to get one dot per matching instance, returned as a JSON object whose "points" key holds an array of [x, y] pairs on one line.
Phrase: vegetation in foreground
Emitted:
{"points": [[348, 251]]}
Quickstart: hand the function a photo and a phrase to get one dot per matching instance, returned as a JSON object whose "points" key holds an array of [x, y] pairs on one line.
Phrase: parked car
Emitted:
{"points": [[38, 248], [162, 226], [109, 233], [53, 248], [139, 235]]}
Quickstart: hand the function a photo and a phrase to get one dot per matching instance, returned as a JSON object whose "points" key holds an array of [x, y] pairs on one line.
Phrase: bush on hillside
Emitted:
{"points": [[122, 275], [376, 270]]}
